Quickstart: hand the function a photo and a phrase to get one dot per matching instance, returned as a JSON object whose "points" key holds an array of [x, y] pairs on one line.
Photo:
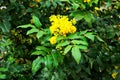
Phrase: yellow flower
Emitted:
{"points": [[53, 39], [37, 1], [96, 8], [87, 1], [114, 74], [60, 25]]}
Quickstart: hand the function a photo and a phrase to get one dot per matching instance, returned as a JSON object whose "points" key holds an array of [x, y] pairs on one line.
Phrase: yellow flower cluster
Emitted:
{"points": [[114, 74], [53, 39], [87, 1], [60, 25]]}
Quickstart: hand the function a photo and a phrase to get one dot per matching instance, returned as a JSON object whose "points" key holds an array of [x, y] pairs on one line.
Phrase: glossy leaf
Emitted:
{"points": [[26, 26], [36, 21], [32, 31], [67, 49], [76, 54], [39, 34], [90, 36]]}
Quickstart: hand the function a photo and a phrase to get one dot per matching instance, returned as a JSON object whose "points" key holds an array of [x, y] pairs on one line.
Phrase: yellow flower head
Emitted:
{"points": [[114, 74], [87, 1], [60, 25], [53, 39]]}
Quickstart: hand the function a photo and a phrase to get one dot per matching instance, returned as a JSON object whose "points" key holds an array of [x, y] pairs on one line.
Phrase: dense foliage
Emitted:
{"points": [[60, 39]]}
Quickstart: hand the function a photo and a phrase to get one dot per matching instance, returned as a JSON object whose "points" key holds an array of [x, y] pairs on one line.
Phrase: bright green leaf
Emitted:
{"points": [[36, 21], [90, 36], [2, 76], [76, 54], [39, 53], [26, 26], [64, 43], [83, 47], [3, 69], [67, 49], [39, 34], [33, 30]]}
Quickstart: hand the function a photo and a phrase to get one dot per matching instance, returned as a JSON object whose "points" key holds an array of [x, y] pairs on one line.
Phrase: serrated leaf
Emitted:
{"points": [[76, 54], [26, 26], [36, 64], [64, 43], [33, 30], [90, 36], [36, 21], [67, 49], [39, 34]]}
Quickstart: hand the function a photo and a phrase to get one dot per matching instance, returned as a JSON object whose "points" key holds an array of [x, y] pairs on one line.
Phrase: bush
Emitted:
{"points": [[60, 39]]}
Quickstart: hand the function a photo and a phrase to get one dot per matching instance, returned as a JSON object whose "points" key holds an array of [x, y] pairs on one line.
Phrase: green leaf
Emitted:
{"points": [[100, 39], [75, 6], [26, 26], [33, 30], [36, 21], [55, 59], [48, 61], [90, 36], [3, 69], [39, 34], [2, 76], [83, 32], [83, 47], [67, 49], [39, 53], [74, 36], [76, 54], [83, 42], [42, 48], [78, 15], [36, 64], [64, 43]]}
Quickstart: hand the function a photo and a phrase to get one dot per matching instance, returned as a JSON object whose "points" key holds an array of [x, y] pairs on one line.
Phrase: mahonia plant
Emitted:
{"points": [[62, 39]]}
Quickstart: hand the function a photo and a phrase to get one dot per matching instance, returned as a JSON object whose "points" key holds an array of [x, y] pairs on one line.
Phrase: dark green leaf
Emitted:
{"points": [[55, 59], [36, 64]]}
